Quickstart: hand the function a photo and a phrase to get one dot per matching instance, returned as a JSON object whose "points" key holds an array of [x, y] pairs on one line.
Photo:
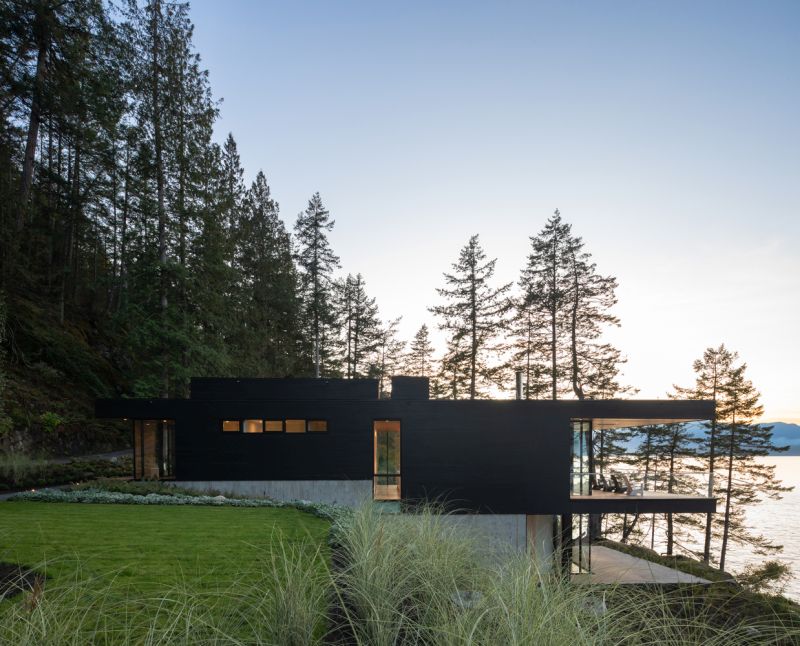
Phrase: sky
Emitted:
{"points": [[667, 134]]}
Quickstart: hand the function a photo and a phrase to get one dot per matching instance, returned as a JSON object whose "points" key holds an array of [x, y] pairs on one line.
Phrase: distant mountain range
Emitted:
{"points": [[783, 434]]}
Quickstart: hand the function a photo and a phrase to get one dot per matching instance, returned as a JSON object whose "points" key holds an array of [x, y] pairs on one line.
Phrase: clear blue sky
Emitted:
{"points": [[667, 133]]}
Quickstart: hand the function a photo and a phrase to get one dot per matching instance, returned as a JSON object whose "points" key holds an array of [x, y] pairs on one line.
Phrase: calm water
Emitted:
{"points": [[779, 521]]}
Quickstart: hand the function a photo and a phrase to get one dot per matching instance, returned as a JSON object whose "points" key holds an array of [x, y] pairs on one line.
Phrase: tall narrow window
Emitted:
{"points": [[153, 449], [581, 457], [386, 475]]}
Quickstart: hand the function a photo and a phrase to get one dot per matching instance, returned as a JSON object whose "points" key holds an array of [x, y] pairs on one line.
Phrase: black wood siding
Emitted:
{"points": [[488, 456]]}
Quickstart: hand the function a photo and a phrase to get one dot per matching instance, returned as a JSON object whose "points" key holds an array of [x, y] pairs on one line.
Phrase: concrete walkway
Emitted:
{"points": [[611, 566]]}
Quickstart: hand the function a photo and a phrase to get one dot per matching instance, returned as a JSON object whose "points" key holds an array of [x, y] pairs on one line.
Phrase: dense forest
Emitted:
{"points": [[133, 256]]}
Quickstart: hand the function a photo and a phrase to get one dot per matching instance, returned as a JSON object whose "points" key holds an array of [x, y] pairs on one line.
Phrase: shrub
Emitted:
{"points": [[20, 471]]}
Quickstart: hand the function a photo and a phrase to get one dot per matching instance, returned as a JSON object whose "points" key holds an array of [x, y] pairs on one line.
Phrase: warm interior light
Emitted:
{"points": [[295, 426]]}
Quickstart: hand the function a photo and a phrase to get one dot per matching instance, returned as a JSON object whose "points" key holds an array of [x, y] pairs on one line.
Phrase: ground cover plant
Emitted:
{"points": [[20, 471], [175, 574]]}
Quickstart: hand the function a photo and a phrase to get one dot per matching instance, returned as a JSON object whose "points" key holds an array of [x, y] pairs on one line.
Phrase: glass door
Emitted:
{"points": [[153, 449], [386, 468]]}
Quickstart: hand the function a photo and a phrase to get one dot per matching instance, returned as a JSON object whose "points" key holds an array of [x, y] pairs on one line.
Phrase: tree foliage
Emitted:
{"points": [[475, 315]]}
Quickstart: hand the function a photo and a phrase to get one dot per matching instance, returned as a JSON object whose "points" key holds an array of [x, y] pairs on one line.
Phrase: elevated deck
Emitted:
{"points": [[603, 502]]}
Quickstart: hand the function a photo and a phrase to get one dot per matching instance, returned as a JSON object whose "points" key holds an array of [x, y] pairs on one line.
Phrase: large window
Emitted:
{"points": [[231, 425], [581, 457], [386, 476]]}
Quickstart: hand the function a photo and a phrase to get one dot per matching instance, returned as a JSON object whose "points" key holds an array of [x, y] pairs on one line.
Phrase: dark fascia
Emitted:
{"points": [[643, 505], [155, 408]]}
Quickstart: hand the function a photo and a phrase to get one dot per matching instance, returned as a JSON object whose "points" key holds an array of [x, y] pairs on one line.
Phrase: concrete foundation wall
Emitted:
{"points": [[540, 540], [496, 534], [341, 492]]}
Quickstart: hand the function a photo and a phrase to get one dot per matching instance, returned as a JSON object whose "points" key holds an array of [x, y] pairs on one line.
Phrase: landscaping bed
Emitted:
{"points": [[725, 602], [169, 567], [17, 473]]}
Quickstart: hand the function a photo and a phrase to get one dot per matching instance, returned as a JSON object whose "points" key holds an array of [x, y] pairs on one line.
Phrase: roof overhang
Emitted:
{"points": [[608, 423]]}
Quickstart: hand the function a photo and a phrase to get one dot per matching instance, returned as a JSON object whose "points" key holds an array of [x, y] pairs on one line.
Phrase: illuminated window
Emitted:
{"points": [[273, 425], [231, 425], [386, 475], [295, 426], [317, 425], [253, 426]]}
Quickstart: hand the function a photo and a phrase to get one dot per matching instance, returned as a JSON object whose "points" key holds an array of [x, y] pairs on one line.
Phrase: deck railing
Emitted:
{"points": [[633, 482]]}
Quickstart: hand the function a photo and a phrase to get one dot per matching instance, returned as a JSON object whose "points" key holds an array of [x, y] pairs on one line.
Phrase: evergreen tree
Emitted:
{"points": [[742, 441], [213, 287], [388, 356], [231, 193], [358, 317], [594, 366], [453, 378], [546, 287], [675, 449], [317, 262], [476, 315], [710, 372], [267, 341], [5, 422], [420, 357], [529, 349], [732, 442], [561, 316]]}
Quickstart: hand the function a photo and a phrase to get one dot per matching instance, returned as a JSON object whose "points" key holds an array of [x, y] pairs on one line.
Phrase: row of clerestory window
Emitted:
{"points": [[274, 425]]}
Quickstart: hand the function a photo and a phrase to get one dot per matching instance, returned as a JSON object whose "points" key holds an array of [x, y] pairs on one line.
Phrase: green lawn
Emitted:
{"points": [[163, 574], [144, 545]]}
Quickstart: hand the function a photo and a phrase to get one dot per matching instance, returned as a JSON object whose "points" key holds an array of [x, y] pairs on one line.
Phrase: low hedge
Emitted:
{"points": [[99, 496]]}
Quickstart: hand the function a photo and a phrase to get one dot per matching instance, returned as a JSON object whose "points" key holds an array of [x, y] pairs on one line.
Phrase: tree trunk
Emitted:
{"points": [[316, 304], [69, 241], [727, 517], [576, 387], [670, 488], [43, 41], [553, 316], [162, 214], [711, 458]]}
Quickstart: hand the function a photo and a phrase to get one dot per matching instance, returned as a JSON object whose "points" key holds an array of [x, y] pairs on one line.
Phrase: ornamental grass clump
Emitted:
{"points": [[395, 570], [417, 578], [280, 600]]}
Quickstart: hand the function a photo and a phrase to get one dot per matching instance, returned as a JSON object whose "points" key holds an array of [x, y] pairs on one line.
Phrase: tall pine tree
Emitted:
{"points": [[475, 315], [317, 262]]}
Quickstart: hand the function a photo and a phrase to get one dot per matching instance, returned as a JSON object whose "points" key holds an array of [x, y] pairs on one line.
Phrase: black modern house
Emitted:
{"points": [[521, 470]]}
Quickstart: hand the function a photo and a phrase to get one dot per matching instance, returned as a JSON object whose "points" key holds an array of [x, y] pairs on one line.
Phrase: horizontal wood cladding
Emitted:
{"points": [[286, 389]]}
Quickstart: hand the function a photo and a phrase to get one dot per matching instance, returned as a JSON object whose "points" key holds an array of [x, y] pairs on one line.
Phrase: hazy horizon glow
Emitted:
{"points": [[667, 135]]}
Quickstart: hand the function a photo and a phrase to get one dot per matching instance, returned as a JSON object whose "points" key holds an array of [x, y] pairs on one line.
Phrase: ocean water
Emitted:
{"points": [[779, 520]]}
